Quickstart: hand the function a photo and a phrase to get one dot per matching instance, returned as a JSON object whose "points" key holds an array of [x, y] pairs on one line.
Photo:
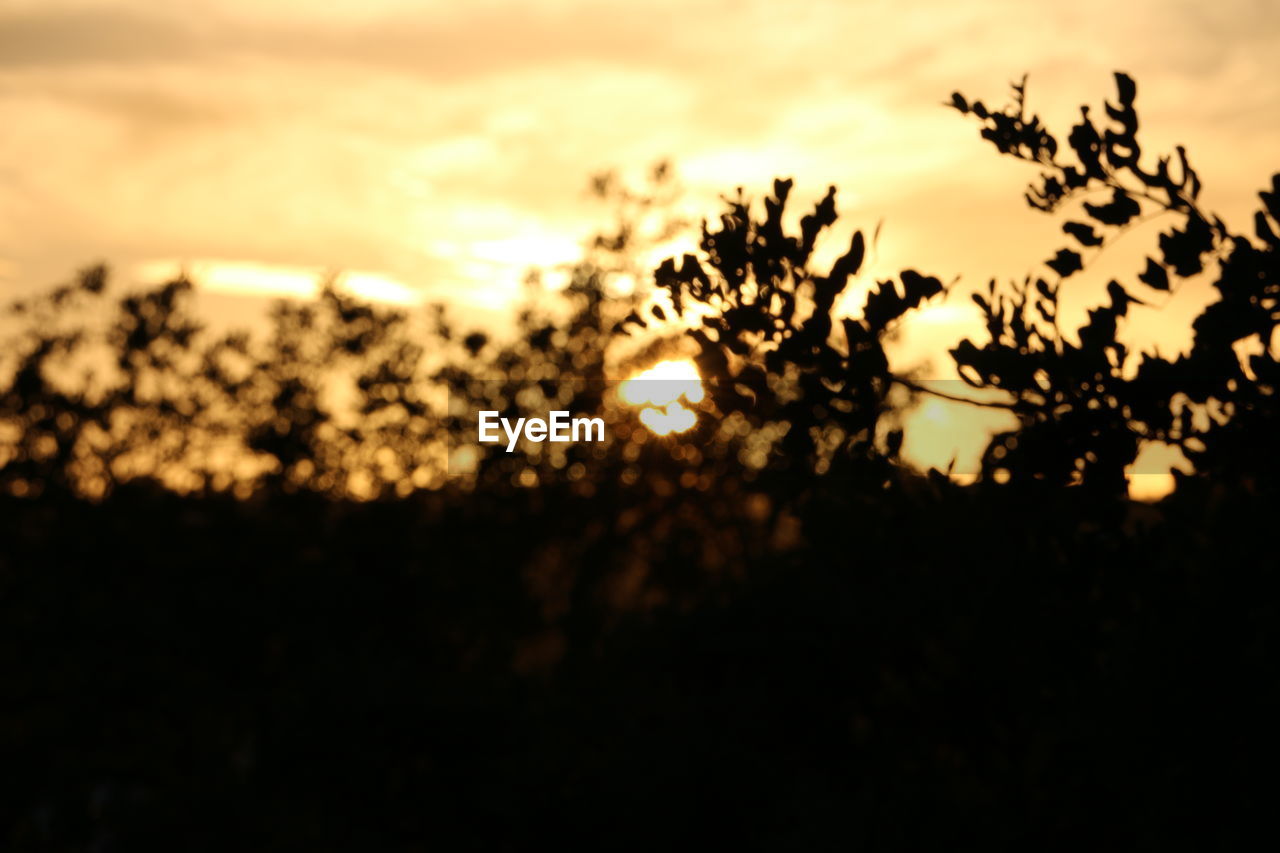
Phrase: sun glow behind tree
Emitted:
{"points": [[659, 391]]}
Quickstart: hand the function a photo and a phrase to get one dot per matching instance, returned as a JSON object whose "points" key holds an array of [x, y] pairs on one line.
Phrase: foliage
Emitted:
{"points": [[766, 348], [800, 381], [1084, 407], [193, 412]]}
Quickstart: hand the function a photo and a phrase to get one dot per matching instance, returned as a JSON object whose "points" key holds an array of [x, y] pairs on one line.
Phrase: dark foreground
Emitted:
{"points": [[953, 669]]}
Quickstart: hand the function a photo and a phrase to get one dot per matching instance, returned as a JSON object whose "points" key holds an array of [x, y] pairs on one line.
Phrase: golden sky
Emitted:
{"points": [[435, 149]]}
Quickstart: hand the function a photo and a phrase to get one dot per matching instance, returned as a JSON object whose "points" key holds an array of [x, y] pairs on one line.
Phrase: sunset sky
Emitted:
{"points": [[436, 149]]}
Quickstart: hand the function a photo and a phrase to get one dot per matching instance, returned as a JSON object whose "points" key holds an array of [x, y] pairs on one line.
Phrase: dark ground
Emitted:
{"points": [[949, 668]]}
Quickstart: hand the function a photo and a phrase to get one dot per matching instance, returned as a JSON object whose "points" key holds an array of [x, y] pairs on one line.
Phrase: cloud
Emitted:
{"points": [[428, 142], [52, 36]]}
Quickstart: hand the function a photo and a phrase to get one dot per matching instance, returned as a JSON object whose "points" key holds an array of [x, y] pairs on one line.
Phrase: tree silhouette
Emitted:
{"points": [[1083, 408], [765, 344]]}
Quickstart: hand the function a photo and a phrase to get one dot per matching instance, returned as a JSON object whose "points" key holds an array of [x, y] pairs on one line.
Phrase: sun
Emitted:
{"points": [[659, 390]]}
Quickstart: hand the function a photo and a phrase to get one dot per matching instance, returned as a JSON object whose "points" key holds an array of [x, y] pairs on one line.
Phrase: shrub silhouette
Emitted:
{"points": [[765, 347], [1083, 408], [247, 600]]}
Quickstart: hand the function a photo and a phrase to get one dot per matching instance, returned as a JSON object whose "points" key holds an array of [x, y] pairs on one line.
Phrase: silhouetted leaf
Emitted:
{"points": [[1120, 298], [1083, 233], [1155, 275], [1271, 199], [1065, 263], [1118, 211], [893, 443], [1263, 229], [1183, 247], [918, 288]]}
